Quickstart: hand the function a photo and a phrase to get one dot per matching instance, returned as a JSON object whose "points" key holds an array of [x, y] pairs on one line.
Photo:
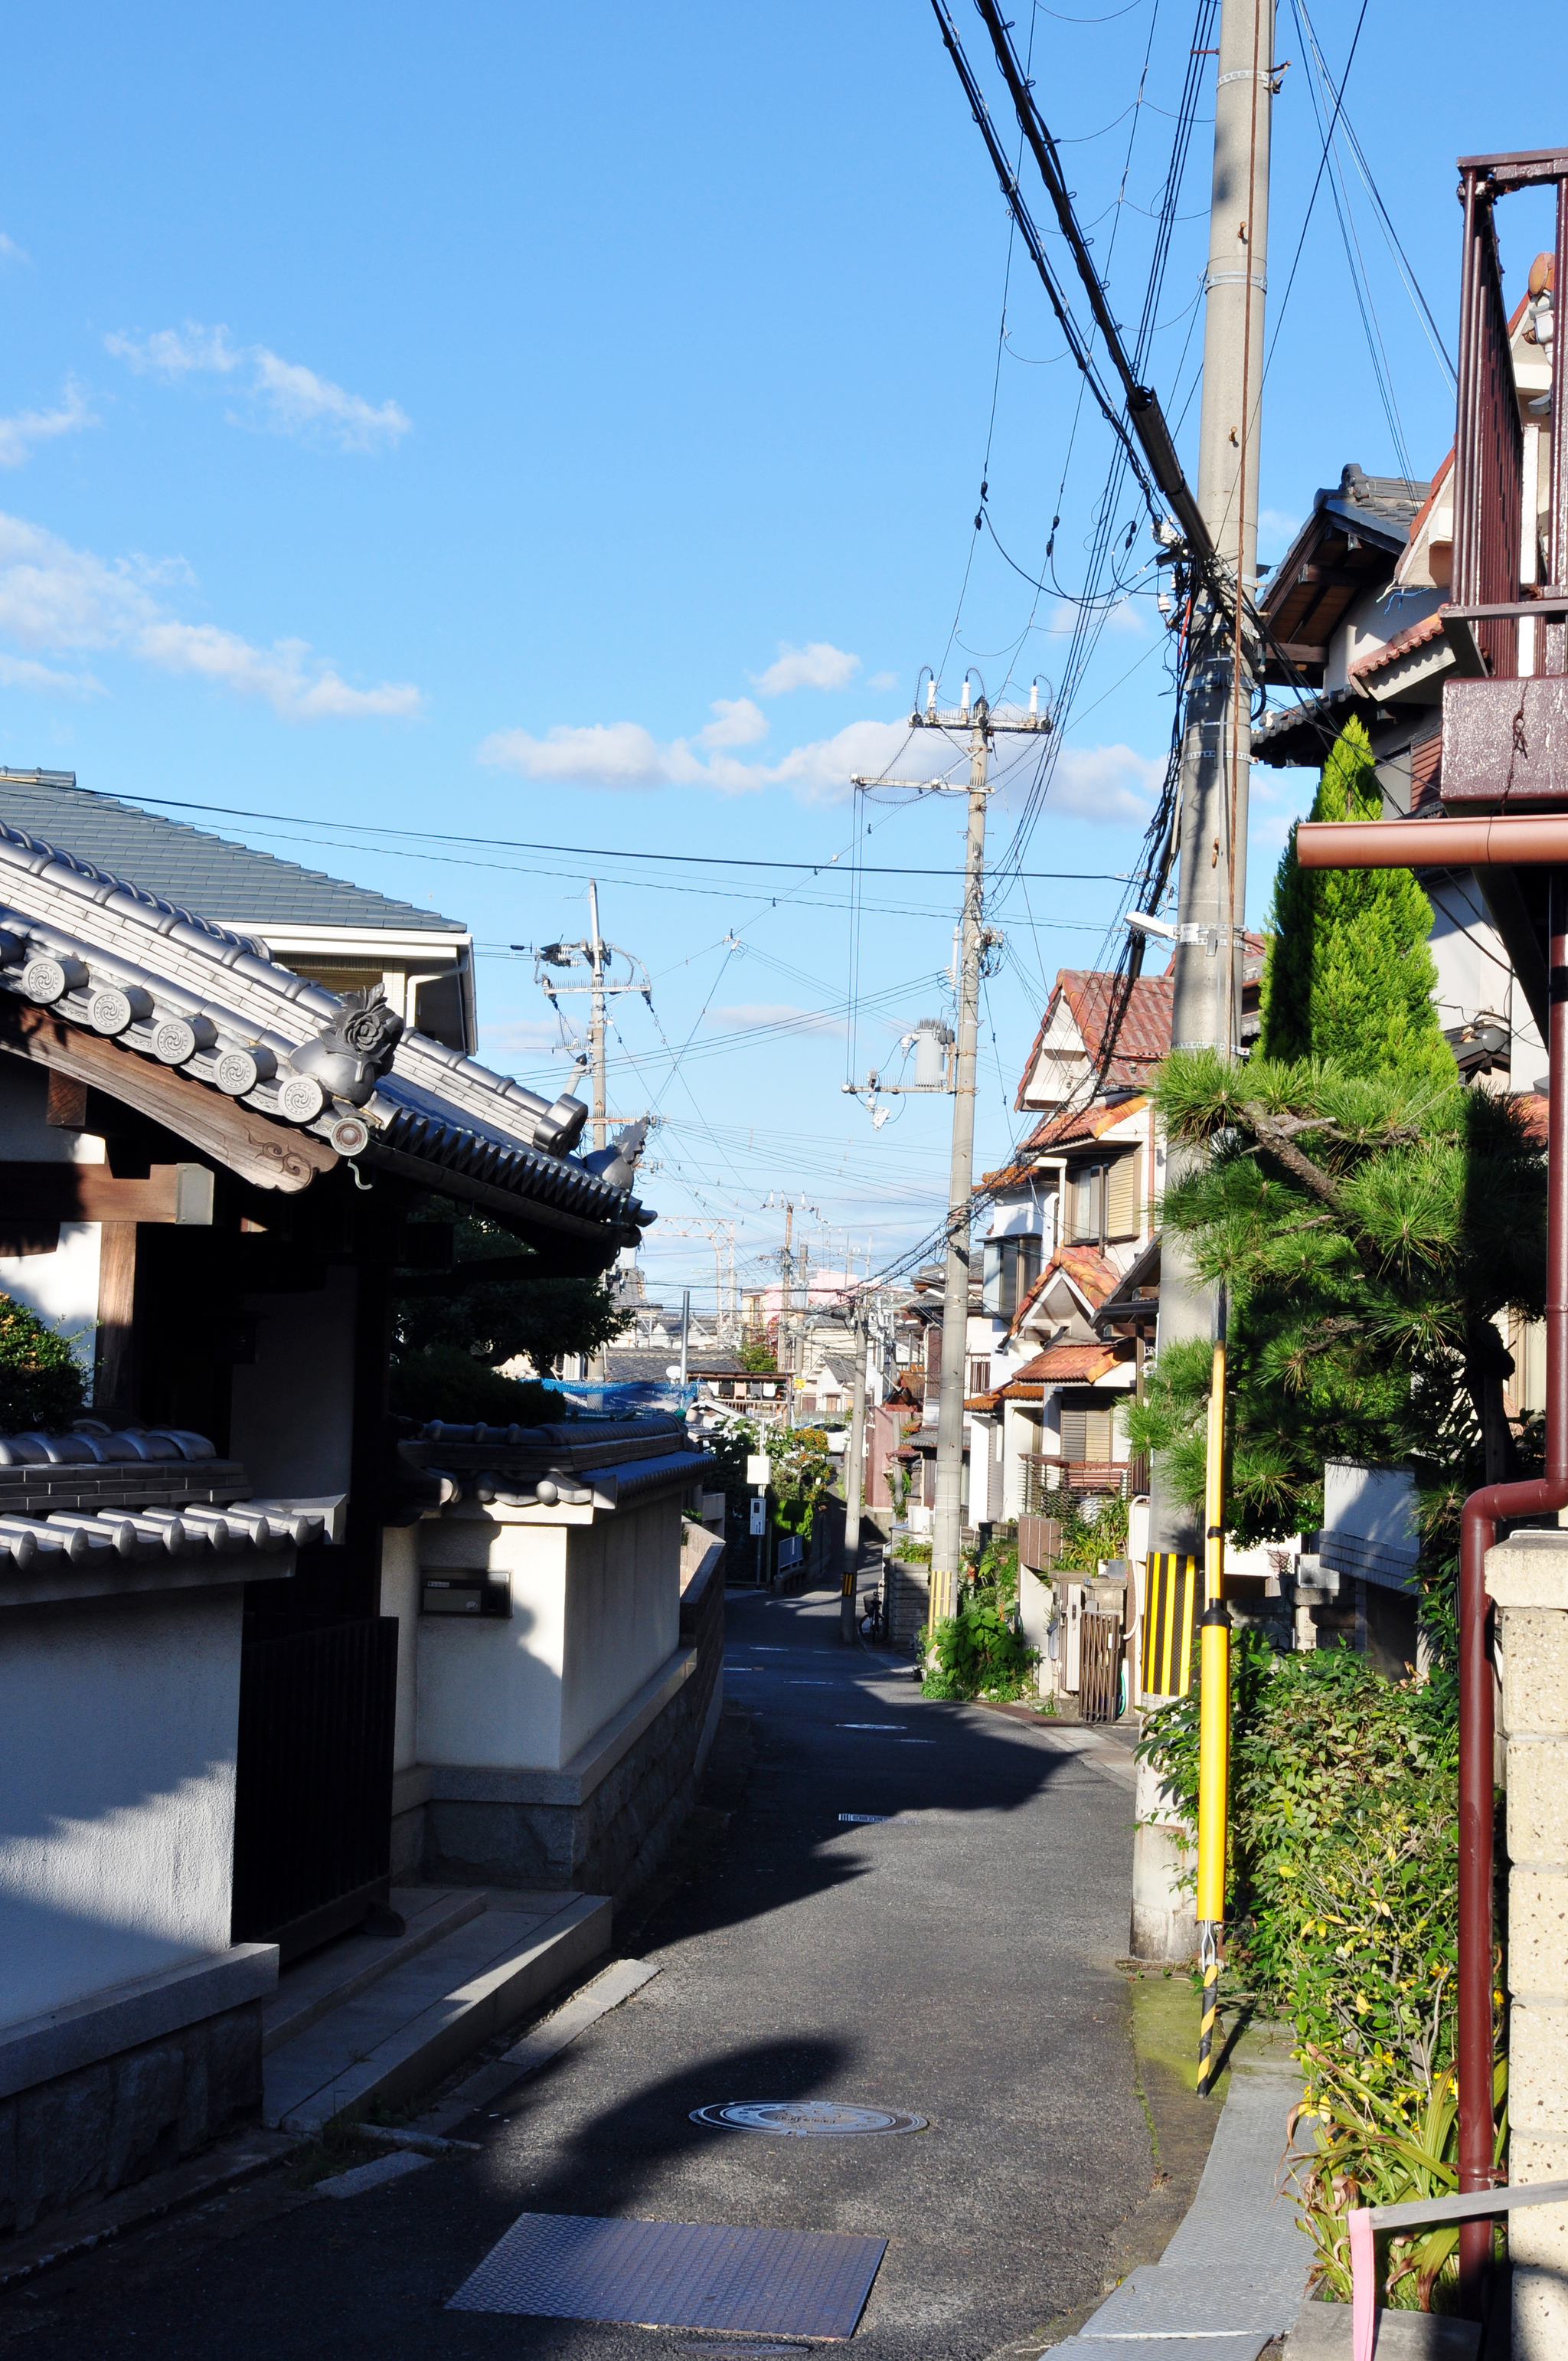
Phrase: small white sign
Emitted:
{"points": [[758, 1517], [758, 1470]]}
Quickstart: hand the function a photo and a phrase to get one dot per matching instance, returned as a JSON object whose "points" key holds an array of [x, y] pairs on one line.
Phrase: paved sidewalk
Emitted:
{"points": [[1235, 2276]]}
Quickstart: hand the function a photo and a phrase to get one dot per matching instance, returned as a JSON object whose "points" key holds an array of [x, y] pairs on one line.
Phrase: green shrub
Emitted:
{"points": [[1341, 1884], [41, 1380], [978, 1655], [446, 1382]]}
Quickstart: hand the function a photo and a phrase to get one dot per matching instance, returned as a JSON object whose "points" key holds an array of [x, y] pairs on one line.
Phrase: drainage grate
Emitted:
{"points": [[806, 2118], [677, 2275]]}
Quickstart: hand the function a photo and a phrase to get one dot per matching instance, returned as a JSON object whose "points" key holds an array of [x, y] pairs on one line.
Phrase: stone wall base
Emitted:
{"points": [[616, 1837], [73, 2140]]}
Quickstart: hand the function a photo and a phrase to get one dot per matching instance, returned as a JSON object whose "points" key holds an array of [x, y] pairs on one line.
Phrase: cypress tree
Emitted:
{"points": [[1349, 975]]}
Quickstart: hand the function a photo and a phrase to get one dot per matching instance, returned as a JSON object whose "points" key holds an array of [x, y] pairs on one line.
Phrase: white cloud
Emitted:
{"points": [[22, 671], [747, 1015], [19, 435], [60, 600], [11, 252], [817, 666], [174, 353], [522, 1037], [290, 398], [1276, 529], [300, 400], [1109, 784], [740, 723], [882, 680], [603, 755], [623, 754]]}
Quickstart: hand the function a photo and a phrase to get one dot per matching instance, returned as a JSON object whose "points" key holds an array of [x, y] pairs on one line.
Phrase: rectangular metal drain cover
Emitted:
{"points": [[677, 2275]]}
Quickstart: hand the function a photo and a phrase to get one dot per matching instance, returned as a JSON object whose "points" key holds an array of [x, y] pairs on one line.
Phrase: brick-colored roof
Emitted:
{"points": [[1419, 635], [1064, 1365], [1077, 1125], [1092, 1273]]}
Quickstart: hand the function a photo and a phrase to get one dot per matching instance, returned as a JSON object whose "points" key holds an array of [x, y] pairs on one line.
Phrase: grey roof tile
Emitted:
{"points": [[231, 882]]}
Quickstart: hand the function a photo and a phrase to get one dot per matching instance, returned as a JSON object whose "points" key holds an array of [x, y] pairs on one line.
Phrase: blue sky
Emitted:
{"points": [[566, 427]]}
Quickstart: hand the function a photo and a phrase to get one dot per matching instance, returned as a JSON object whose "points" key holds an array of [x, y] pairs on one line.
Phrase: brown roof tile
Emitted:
{"points": [[1065, 1365]]}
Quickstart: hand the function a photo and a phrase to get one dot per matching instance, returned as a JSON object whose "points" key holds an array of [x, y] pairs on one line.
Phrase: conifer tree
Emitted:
{"points": [[1349, 976]]}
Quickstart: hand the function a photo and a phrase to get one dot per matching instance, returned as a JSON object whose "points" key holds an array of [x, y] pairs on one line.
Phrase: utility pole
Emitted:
{"points": [[598, 957], [685, 1330], [1216, 747], [1211, 910], [982, 726], [854, 1476], [595, 1007]]}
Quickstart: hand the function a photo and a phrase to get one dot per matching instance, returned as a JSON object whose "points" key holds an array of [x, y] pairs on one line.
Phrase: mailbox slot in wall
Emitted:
{"points": [[465, 1594]]}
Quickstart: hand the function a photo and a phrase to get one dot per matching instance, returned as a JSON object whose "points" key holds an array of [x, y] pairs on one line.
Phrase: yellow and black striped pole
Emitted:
{"points": [[1213, 1712]]}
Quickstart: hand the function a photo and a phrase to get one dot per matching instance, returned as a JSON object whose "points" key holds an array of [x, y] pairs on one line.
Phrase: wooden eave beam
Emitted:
{"points": [[268, 1155], [66, 1192]]}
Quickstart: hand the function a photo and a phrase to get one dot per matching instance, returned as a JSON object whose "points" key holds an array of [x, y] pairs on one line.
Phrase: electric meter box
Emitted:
{"points": [[465, 1594]]}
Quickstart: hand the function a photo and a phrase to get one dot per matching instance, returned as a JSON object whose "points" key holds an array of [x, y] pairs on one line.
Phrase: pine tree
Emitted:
{"points": [[1349, 976]]}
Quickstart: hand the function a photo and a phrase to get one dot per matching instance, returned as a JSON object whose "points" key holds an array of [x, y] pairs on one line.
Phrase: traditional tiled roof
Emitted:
{"points": [[1079, 1126], [190, 867], [1403, 643], [1062, 1365], [1145, 1034], [119, 973]]}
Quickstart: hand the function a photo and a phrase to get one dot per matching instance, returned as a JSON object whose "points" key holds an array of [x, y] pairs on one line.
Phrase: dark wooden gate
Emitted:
{"points": [[313, 1781], [1099, 1668]]}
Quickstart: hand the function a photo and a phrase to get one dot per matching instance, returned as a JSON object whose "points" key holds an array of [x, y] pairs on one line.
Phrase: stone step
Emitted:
{"points": [[394, 2038], [311, 1988]]}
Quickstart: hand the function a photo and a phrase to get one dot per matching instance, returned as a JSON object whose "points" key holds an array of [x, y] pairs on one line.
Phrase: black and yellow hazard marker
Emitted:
{"points": [[1209, 1953], [1170, 1605]]}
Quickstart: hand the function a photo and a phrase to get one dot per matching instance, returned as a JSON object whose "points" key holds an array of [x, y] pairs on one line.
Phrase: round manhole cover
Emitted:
{"points": [[806, 2118]]}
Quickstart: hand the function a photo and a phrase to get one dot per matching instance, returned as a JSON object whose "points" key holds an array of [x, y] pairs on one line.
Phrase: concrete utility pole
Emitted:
{"points": [[598, 957], [596, 1006], [1216, 749], [854, 1475], [948, 1535]]}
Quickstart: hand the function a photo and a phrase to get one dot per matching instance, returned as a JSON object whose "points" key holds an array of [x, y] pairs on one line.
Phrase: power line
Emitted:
{"points": [[595, 852]]}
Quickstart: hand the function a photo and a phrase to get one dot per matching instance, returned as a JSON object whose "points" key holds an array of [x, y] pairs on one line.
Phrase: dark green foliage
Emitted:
{"points": [[1343, 1870], [978, 1654], [546, 1316], [761, 1358], [444, 1381], [41, 1381], [1368, 1229], [1349, 975]]}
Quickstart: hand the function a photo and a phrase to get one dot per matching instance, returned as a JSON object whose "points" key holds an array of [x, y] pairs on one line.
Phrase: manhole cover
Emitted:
{"points": [[806, 2118]]}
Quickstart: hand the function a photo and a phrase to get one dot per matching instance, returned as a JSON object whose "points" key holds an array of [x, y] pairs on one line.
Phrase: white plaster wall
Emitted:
{"points": [[624, 1613], [117, 1729], [399, 1597], [489, 1691], [62, 1286], [292, 1408]]}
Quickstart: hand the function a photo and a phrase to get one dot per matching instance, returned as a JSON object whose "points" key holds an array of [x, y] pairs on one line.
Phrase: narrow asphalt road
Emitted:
{"points": [[953, 1957]]}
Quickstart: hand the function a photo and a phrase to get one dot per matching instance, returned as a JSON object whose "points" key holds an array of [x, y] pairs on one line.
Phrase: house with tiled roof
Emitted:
{"points": [[1357, 608], [337, 934]]}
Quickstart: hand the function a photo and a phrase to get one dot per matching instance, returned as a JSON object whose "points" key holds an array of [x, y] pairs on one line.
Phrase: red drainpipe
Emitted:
{"points": [[1327, 845]]}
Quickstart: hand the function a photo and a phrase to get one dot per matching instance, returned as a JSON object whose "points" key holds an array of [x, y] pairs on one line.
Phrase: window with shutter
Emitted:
{"points": [[979, 1377], [1028, 1265], [1084, 1201], [1122, 1197], [1073, 1425], [1098, 1428]]}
